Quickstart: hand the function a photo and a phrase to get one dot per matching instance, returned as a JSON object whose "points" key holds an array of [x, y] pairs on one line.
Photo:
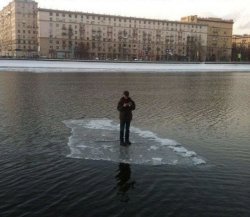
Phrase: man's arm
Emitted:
{"points": [[132, 107], [120, 105]]}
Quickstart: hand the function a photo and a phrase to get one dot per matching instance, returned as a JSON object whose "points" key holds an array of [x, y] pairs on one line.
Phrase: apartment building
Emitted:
{"points": [[63, 33], [27, 31], [241, 48], [241, 41], [18, 24], [219, 38]]}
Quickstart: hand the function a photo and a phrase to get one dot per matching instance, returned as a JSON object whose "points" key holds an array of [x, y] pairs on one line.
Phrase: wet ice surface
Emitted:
{"points": [[68, 66], [97, 139]]}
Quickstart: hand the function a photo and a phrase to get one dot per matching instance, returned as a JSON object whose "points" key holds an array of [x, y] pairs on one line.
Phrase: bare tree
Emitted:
{"points": [[82, 51]]}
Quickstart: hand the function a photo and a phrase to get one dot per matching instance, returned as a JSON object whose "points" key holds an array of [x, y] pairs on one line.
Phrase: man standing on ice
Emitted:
{"points": [[125, 106]]}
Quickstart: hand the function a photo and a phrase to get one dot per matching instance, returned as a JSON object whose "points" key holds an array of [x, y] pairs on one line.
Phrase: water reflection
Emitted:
{"points": [[124, 154], [124, 182]]}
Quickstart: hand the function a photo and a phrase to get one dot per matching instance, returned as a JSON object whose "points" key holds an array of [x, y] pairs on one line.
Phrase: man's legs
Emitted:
{"points": [[127, 133], [122, 125]]}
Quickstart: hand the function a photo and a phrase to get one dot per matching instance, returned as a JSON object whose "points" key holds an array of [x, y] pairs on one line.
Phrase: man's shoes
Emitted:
{"points": [[128, 143]]}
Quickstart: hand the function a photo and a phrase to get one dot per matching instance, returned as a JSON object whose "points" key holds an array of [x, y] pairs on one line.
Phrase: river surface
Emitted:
{"points": [[60, 155]]}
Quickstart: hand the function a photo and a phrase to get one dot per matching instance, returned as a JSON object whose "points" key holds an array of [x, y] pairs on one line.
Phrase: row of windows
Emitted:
{"points": [[120, 36], [32, 15], [92, 17], [26, 37], [27, 47], [118, 32], [24, 31], [114, 50], [19, 41], [167, 39], [108, 28], [51, 41]]}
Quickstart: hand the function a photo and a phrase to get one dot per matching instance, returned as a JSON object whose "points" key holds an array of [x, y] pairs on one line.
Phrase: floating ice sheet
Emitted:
{"points": [[97, 139]]}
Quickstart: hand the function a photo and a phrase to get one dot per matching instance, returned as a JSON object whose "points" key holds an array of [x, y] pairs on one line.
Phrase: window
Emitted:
{"points": [[51, 14]]}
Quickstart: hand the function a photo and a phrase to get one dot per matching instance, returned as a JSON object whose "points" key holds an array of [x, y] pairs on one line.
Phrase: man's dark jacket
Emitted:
{"points": [[126, 112]]}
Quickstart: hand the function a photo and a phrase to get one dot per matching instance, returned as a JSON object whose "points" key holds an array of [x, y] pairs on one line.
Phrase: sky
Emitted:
{"points": [[238, 10]]}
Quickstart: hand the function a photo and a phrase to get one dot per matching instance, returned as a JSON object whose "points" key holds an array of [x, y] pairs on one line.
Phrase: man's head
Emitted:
{"points": [[126, 94]]}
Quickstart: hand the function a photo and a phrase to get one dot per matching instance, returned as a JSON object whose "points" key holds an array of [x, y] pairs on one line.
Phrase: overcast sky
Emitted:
{"points": [[238, 10]]}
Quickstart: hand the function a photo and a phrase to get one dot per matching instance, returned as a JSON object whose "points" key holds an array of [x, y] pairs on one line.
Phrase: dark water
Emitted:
{"points": [[207, 113]]}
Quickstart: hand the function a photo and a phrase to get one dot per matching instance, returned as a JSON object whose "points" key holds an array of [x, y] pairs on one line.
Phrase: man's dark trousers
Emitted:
{"points": [[124, 124]]}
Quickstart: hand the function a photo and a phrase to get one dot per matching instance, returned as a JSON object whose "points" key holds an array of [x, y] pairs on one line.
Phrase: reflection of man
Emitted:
{"points": [[125, 106], [123, 181]]}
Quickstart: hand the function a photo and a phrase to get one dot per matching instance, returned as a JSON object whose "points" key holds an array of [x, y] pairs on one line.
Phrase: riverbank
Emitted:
{"points": [[123, 61], [49, 66]]}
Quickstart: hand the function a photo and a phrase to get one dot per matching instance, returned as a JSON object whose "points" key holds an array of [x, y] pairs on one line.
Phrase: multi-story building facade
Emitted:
{"points": [[219, 38], [27, 30], [63, 33], [18, 25], [241, 48], [241, 41]]}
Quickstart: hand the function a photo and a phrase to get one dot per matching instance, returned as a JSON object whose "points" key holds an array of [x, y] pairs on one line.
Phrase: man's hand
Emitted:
{"points": [[127, 104]]}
